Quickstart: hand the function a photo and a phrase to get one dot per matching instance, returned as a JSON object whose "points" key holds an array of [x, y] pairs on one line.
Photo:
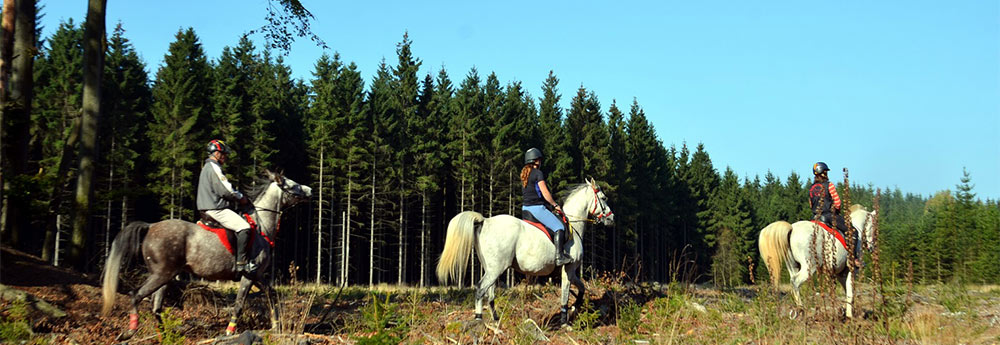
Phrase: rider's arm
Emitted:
{"points": [[835, 196], [546, 194], [222, 187]]}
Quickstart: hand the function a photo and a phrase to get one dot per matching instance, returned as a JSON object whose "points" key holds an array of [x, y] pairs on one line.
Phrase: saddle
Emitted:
{"points": [[527, 217], [833, 231], [226, 236]]}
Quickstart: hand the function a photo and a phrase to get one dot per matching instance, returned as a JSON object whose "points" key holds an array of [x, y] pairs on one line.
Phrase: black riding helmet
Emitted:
{"points": [[819, 168], [531, 155], [217, 145]]}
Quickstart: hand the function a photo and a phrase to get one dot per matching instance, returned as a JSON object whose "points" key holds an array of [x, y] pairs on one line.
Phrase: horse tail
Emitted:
{"points": [[458, 245], [774, 246], [126, 245]]}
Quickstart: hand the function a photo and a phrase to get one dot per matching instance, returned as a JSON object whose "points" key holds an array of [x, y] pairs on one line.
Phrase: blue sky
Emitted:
{"points": [[903, 93]]}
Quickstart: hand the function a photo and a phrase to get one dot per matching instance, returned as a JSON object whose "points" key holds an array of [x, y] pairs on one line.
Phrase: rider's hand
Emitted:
{"points": [[558, 209]]}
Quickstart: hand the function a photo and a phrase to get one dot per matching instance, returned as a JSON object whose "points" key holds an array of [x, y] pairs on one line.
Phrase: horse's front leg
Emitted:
{"points": [[241, 297], [564, 297], [272, 302], [847, 281], [581, 288]]}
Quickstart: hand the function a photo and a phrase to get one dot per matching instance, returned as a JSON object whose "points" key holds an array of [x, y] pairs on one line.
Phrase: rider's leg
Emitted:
{"points": [[550, 221], [230, 220]]}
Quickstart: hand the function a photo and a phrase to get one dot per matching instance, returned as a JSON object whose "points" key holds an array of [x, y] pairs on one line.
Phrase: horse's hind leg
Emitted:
{"points": [[158, 303], [491, 296], [485, 285], [153, 283]]}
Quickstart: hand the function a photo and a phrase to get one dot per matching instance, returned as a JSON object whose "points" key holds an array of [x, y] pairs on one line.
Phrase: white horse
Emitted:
{"points": [[801, 250], [503, 241]]}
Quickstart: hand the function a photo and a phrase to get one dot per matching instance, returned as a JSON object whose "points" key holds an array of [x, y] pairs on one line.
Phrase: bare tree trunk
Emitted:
{"points": [[6, 53], [58, 189], [402, 239], [371, 234], [423, 235], [347, 228], [319, 215], [107, 221], [93, 63]]}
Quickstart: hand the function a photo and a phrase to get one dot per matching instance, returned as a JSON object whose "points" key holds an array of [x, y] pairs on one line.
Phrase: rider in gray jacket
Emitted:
{"points": [[215, 195]]}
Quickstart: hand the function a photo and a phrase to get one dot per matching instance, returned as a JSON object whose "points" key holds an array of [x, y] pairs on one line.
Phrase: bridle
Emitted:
{"points": [[595, 215], [278, 212]]}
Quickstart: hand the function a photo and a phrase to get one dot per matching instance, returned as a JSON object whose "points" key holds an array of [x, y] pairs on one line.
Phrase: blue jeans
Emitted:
{"points": [[543, 215]]}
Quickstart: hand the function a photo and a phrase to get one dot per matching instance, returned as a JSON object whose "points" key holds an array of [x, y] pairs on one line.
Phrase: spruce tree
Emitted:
{"points": [[126, 99], [180, 102], [405, 91], [554, 139]]}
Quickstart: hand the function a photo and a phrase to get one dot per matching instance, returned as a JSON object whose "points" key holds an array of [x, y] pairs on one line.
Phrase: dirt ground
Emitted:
{"points": [[529, 314]]}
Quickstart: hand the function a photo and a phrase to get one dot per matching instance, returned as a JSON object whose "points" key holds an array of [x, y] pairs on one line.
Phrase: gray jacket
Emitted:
{"points": [[214, 190]]}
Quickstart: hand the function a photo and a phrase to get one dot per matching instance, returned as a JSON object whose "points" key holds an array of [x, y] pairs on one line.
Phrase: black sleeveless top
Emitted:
{"points": [[532, 193], [820, 200]]}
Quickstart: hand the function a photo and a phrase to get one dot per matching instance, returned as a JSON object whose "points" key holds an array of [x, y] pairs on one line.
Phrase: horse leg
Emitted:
{"points": [[272, 302], [153, 283], [485, 284], [797, 279], [158, 303], [564, 296], [847, 281], [491, 296], [241, 297], [581, 288]]}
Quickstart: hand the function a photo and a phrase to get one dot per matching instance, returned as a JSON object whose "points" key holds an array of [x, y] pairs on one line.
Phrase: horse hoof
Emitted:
{"points": [[126, 335]]}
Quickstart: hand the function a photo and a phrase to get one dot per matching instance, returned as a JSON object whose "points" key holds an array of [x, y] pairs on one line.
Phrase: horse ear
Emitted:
{"points": [[590, 181]]}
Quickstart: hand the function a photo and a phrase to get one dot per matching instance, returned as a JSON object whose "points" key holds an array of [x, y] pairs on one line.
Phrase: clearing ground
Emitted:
{"points": [[616, 311]]}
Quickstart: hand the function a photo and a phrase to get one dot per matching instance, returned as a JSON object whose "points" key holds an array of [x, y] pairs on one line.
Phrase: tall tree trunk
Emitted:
{"points": [[93, 62], [423, 235], [59, 189], [107, 220], [6, 53], [402, 233], [371, 234], [16, 82], [347, 228], [319, 225]]}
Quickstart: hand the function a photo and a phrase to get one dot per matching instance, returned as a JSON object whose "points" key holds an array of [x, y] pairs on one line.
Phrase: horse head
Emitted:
{"points": [[293, 193], [600, 211]]}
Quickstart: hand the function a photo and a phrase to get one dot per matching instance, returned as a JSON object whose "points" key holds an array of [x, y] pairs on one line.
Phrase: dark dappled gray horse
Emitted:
{"points": [[173, 246]]}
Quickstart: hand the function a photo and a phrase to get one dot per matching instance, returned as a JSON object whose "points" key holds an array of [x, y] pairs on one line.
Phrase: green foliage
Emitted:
{"points": [[14, 325], [586, 317], [381, 317], [168, 330], [629, 316]]}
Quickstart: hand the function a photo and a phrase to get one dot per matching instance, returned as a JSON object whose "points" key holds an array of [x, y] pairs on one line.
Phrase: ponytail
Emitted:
{"points": [[524, 174]]}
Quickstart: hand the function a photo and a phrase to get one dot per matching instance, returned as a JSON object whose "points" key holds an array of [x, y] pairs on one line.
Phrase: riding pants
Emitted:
{"points": [[543, 215], [229, 219]]}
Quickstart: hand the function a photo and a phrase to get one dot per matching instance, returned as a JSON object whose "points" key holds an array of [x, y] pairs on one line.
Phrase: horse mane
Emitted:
{"points": [[257, 188], [566, 193], [856, 207]]}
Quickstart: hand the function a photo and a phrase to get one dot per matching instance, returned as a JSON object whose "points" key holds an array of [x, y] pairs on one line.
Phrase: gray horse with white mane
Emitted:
{"points": [[504, 241]]}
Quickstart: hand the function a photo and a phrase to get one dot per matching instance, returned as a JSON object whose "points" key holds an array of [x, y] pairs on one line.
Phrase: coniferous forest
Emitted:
{"points": [[392, 158]]}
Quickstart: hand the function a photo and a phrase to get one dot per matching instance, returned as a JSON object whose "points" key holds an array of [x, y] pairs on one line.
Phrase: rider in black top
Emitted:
{"points": [[537, 197]]}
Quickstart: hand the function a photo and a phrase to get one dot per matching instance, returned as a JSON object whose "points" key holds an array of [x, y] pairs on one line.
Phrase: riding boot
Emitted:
{"points": [[561, 257], [241, 251]]}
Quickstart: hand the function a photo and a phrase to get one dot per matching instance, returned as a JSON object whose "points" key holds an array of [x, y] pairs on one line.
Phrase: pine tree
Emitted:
{"points": [[405, 91], [234, 74], [322, 130], [554, 138], [730, 231], [55, 122], [617, 177], [180, 101], [126, 100], [357, 144], [380, 108]]}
